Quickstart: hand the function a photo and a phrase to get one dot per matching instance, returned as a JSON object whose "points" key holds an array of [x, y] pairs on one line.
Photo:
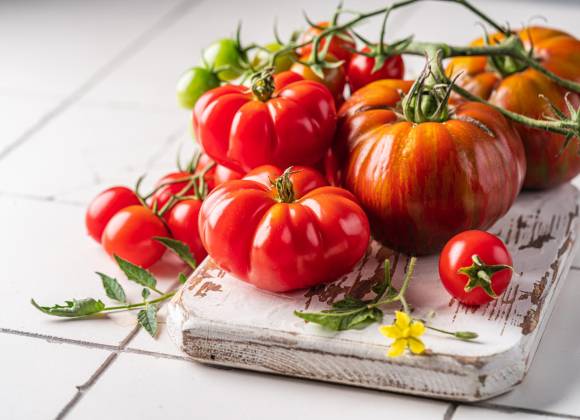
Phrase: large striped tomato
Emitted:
{"points": [[286, 236], [286, 123], [521, 91], [423, 183]]}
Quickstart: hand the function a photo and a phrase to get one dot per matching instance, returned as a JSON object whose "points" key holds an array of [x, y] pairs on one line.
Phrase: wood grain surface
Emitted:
{"points": [[218, 319]]}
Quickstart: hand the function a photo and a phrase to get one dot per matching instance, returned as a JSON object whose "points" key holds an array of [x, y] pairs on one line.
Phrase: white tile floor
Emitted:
{"points": [[86, 95]]}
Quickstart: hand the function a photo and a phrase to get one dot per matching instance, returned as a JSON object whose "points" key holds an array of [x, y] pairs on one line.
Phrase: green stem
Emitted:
{"points": [[163, 297]]}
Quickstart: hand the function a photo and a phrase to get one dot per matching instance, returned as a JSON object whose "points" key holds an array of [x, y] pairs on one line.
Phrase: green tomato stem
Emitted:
{"points": [[163, 297]]}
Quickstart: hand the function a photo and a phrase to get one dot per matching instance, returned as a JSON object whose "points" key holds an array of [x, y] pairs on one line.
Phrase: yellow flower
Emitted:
{"points": [[405, 332]]}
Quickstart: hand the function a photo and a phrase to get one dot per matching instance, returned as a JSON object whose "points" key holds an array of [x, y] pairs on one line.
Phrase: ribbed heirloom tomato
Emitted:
{"points": [[282, 238], [421, 182], [290, 124], [520, 89]]}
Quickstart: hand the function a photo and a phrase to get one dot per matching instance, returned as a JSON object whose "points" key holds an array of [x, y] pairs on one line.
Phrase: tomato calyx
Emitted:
{"points": [[480, 274], [263, 84], [283, 187], [506, 65]]}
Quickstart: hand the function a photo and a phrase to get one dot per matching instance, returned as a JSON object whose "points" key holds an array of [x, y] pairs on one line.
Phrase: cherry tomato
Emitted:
{"points": [[475, 267], [360, 70], [194, 83], [275, 241], [340, 45], [224, 53], [106, 205], [129, 235], [176, 182], [303, 178], [182, 220], [283, 125], [216, 175], [334, 78], [282, 63]]}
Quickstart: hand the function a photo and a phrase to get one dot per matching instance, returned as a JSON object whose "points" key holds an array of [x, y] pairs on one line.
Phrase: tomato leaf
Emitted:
{"points": [[72, 308], [137, 274], [145, 293], [147, 318], [182, 278], [343, 319], [180, 249], [112, 288]]}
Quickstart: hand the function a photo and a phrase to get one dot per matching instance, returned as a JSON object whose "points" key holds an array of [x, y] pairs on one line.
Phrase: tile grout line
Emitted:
{"points": [[134, 46], [512, 409]]}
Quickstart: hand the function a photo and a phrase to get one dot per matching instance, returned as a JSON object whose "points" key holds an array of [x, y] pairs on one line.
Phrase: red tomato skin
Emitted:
{"points": [[216, 175], [339, 47], [304, 179], [182, 220], [457, 253], [104, 206], [163, 194], [283, 246], [294, 127], [129, 235], [359, 72]]}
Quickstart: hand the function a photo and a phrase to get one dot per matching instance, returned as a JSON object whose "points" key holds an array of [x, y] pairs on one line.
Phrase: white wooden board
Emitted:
{"points": [[220, 320]]}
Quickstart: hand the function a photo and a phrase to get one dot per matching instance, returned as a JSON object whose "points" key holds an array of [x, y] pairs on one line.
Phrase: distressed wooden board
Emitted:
{"points": [[220, 320]]}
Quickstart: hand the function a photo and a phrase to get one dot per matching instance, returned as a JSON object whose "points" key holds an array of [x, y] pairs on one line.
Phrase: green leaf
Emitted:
{"points": [[180, 249], [147, 318], [145, 293], [348, 303], [137, 274], [340, 320], [112, 288], [317, 70], [72, 308], [379, 62], [182, 278]]}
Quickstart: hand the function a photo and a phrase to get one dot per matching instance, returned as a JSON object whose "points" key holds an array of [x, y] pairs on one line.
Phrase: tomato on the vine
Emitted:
{"points": [[334, 77], [104, 206], [182, 220], [268, 237], [475, 267], [225, 58], [174, 183], [360, 70], [194, 83], [341, 44], [271, 123], [129, 235]]}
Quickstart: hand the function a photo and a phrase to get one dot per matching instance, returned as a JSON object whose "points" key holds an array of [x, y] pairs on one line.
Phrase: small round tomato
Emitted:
{"points": [[224, 53], [281, 238], [216, 175], [341, 45], [303, 178], [175, 182], [182, 221], [334, 78], [194, 83], [104, 206], [360, 70], [129, 235], [475, 267], [282, 63]]}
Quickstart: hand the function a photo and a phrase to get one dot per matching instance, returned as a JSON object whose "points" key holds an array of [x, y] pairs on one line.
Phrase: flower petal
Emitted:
{"points": [[402, 320], [397, 348], [416, 345], [390, 331], [417, 328]]}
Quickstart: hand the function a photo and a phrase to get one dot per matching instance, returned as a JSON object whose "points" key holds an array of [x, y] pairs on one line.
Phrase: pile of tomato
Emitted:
{"points": [[301, 165]]}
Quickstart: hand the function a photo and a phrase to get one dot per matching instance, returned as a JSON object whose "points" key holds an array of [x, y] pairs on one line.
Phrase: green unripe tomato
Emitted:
{"points": [[282, 62], [194, 83], [224, 53]]}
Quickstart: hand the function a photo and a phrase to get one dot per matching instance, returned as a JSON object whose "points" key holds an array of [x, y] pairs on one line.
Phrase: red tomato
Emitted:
{"points": [[360, 70], [303, 178], [182, 221], [334, 78], [340, 45], [216, 175], [129, 235], [295, 126], [176, 182], [475, 267], [106, 205], [275, 241]]}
